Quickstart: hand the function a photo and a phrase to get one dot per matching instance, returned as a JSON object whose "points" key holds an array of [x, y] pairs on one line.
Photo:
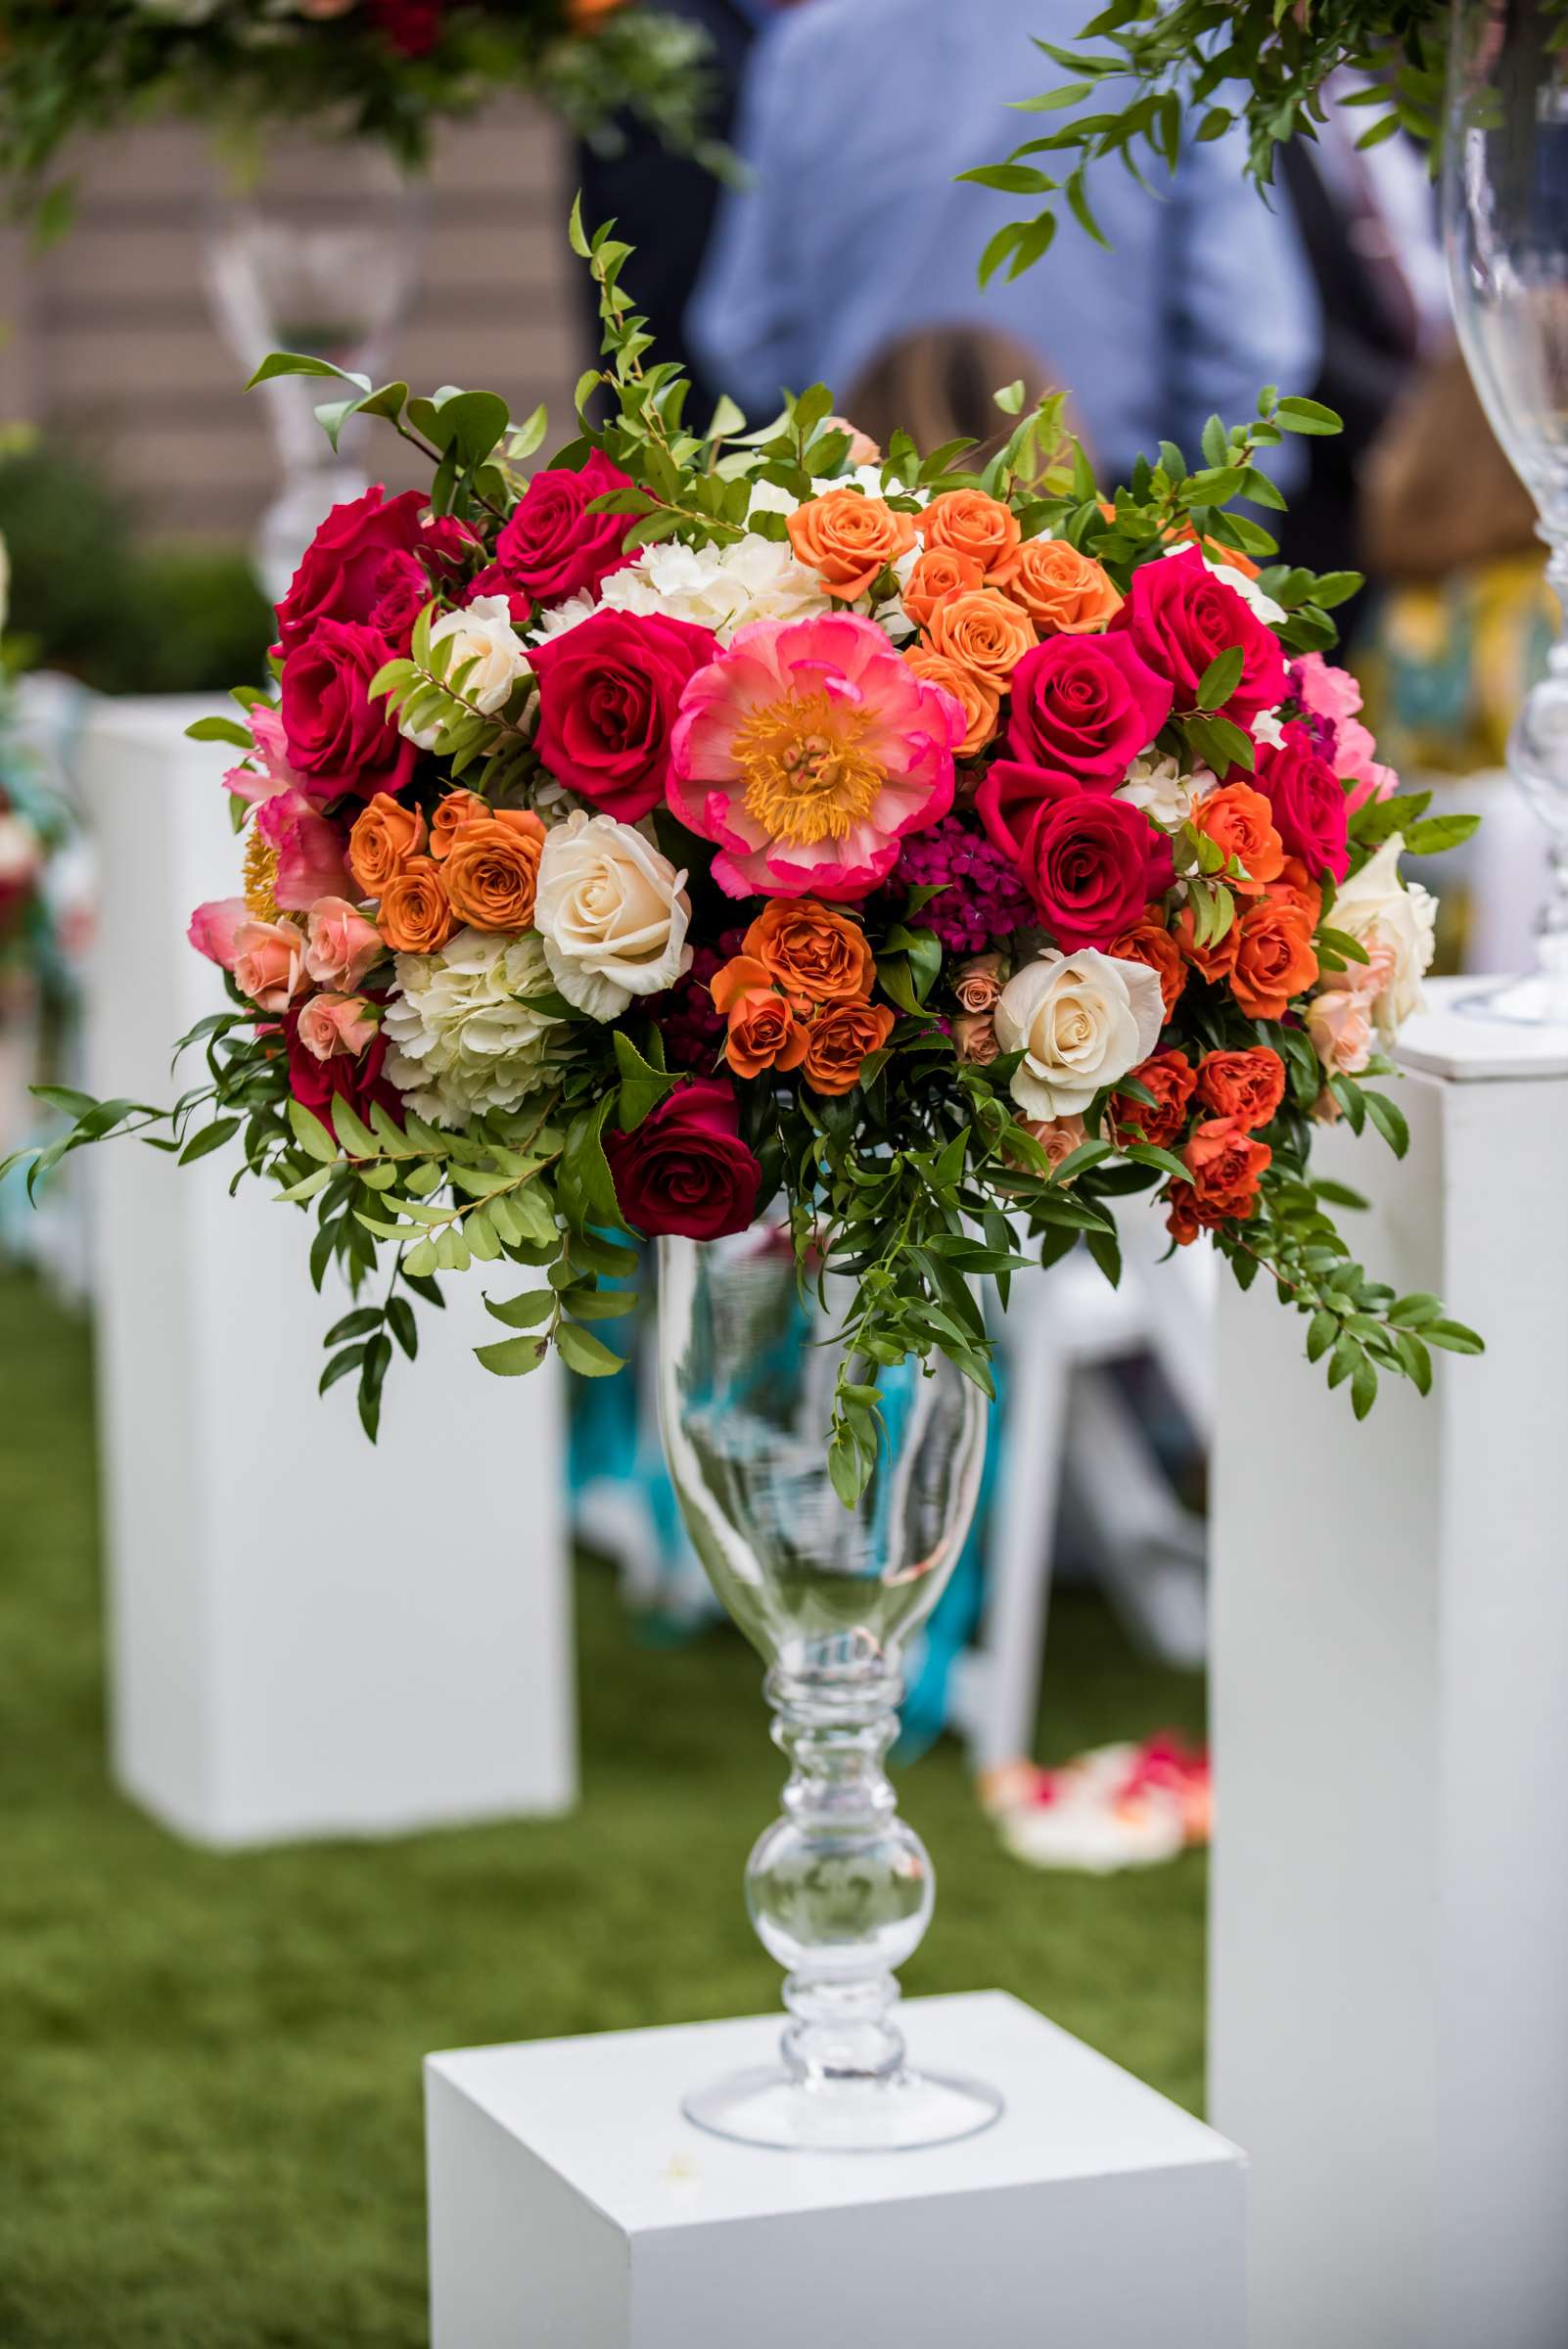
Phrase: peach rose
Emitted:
{"points": [[984, 631], [330, 1025], [1064, 592], [1274, 958], [839, 1042], [814, 954], [849, 540], [492, 871], [416, 917], [341, 945], [1058, 1138], [383, 839], [934, 575], [1150, 943], [1240, 822], [977, 697], [968, 521], [974, 1037], [763, 1031], [976, 984], [269, 963], [459, 808], [864, 450], [1340, 1024]]}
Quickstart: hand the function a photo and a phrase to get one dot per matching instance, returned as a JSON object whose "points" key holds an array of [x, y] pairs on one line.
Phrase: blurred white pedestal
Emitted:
{"points": [[572, 2206], [1389, 1958], [309, 1636]]}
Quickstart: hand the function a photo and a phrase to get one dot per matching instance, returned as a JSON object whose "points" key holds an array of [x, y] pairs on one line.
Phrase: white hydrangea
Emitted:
{"points": [[718, 587], [1164, 794], [460, 1040]]}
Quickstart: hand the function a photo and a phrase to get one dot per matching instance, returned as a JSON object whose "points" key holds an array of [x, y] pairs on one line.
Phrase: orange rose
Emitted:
{"points": [[969, 522], [1274, 958], [415, 917], [979, 697], [839, 1040], [936, 574], [1225, 1163], [492, 871], [1248, 1086], [984, 631], [1169, 1077], [1150, 942], [1296, 886], [1215, 962], [384, 837], [1064, 592], [1240, 822], [763, 1031], [458, 807], [848, 539], [1183, 1223], [814, 954]]}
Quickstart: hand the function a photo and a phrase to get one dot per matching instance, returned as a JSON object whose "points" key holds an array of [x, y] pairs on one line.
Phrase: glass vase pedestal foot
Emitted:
{"points": [[772, 2105]]}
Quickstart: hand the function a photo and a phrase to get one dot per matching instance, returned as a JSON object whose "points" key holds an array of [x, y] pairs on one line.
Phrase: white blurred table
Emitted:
{"points": [[309, 1635], [1389, 1953]]}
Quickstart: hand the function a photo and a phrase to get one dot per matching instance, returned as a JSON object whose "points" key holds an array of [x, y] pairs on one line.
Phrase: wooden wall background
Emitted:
{"points": [[109, 335]]}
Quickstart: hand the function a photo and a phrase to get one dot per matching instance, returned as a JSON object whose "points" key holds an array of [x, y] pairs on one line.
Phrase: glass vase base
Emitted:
{"points": [[770, 2106], [1539, 999]]}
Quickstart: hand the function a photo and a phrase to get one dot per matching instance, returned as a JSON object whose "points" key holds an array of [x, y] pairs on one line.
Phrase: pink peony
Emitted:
{"points": [[341, 945], [265, 720], [310, 851], [805, 752], [214, 927], [269, 963], [334, 1024], [1356, 765]]}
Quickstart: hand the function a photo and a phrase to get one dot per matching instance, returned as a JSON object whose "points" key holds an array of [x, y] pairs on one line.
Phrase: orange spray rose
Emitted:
{"points": [[384, 836], [984, 631], [968, 521], [979, 697], [848, 539], [814, 954], [839, 1040], [415, 917], [492, 871], [1064, 592]]}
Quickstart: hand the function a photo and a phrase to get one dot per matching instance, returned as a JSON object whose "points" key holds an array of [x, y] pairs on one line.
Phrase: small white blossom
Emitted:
{"points": [[460, 1040], [1164, 794], [1267, 727]]}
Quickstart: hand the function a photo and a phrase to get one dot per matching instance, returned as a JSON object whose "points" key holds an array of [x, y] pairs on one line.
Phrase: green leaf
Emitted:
{"points": [[642, 1086], [524, 1312], [211, 1138], [309, 1132], [1363, 1387], [1452, 1336], [1220, 678], [1390, 1122], [513, 1356], [340, 1366], [220, 729], [1309, 415], [585, 1354]]}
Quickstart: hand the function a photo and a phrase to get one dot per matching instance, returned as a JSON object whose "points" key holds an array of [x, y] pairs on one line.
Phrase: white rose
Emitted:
{"points": [[1081, 1021], [459, 1040], [1374, 909], [1164, 794], [484, 636], [612, 912]]}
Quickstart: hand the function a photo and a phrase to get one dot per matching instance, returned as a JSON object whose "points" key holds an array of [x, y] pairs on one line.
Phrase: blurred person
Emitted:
{"points": [[855, 117]]}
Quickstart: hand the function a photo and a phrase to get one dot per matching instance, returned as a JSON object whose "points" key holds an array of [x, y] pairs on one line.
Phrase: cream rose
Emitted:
{"points": [[612, 912], [484, 636], [1376, 909], [1081, 1021]]}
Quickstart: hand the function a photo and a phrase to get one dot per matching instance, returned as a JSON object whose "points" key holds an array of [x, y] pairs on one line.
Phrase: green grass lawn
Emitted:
{"points": [[209, 2113]]}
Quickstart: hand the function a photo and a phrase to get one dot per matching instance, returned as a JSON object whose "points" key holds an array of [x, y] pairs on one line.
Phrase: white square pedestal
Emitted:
{"points": [[572, 2206]]}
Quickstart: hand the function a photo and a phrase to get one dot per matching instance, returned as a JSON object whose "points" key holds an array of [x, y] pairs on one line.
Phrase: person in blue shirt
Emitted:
{"points": [[855, 117]]}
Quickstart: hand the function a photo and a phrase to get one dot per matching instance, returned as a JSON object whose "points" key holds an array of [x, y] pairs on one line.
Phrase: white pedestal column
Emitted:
{"points": [[1389, 1964], [572, 2206], [308, 1636]]}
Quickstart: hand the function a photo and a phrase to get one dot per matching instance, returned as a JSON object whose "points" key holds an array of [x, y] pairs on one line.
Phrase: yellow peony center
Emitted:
{"points": [[808, 776], [260, 876]]}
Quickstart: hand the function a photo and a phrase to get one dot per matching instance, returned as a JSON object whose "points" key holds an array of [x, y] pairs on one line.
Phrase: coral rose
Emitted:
{"points": [[814, 954], [763, 1031], [1274, 958], [459, 808], [1065, 593], [1292, 888], [1180, 617], [974, 1037], [491, 869], [341, 945], [979, 697], [1088, 704], [1171, 1077], [1149, 941], [269, 963], [1225, 1163], [1236, 818], [849, 540], [984, 631], [977, 984], [334, 1024], [415, 915], [685, 1169], [936, 574], [1058, 1138], [1248, 1086], [967, 522], [839, 1042], [215, 927], [1339, 1022], [386, 835]]}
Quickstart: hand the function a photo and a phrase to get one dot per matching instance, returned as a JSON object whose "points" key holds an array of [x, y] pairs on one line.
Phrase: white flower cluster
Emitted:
{"points": [[460, 1040], [718, 587], [1156, 784]]}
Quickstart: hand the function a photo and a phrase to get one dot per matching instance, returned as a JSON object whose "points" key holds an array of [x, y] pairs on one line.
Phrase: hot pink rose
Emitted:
{"points": [[553, 547], [310, 851], [340, 573], [1306, 799], [334, 1024], [340, 741], [1086, 706], [685, 1168], [609, 695], [1090, 863], [1180, 618], [214, 927], [494, 581], [341, 945], [403, 591], [269, 963]]}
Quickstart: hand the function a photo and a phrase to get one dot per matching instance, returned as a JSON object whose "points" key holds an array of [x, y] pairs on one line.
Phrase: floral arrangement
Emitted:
{"points": [[382, 70], [720, 817]]}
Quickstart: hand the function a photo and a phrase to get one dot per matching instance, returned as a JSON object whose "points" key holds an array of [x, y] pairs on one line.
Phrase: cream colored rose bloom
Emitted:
{"points": [[1081, 1021], [613, 914], [459, 1041], [1375, 909], [484, 636]]}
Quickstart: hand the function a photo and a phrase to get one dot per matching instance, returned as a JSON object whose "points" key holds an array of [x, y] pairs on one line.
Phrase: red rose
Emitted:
{"points": [[686, 1169], [403, 591], [1087, 705], [553, 547], [1090, 863], [494, 581], [1180, 617], [1310, 813], [339, 740], [608, 693], [1171, 1077], [340, 571], [410, 27], [1248, 1086]]}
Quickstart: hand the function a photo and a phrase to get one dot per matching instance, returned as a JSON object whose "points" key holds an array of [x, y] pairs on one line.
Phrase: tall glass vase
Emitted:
{"points": [[1505, 225], [318, 250], [840, 1889]]}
